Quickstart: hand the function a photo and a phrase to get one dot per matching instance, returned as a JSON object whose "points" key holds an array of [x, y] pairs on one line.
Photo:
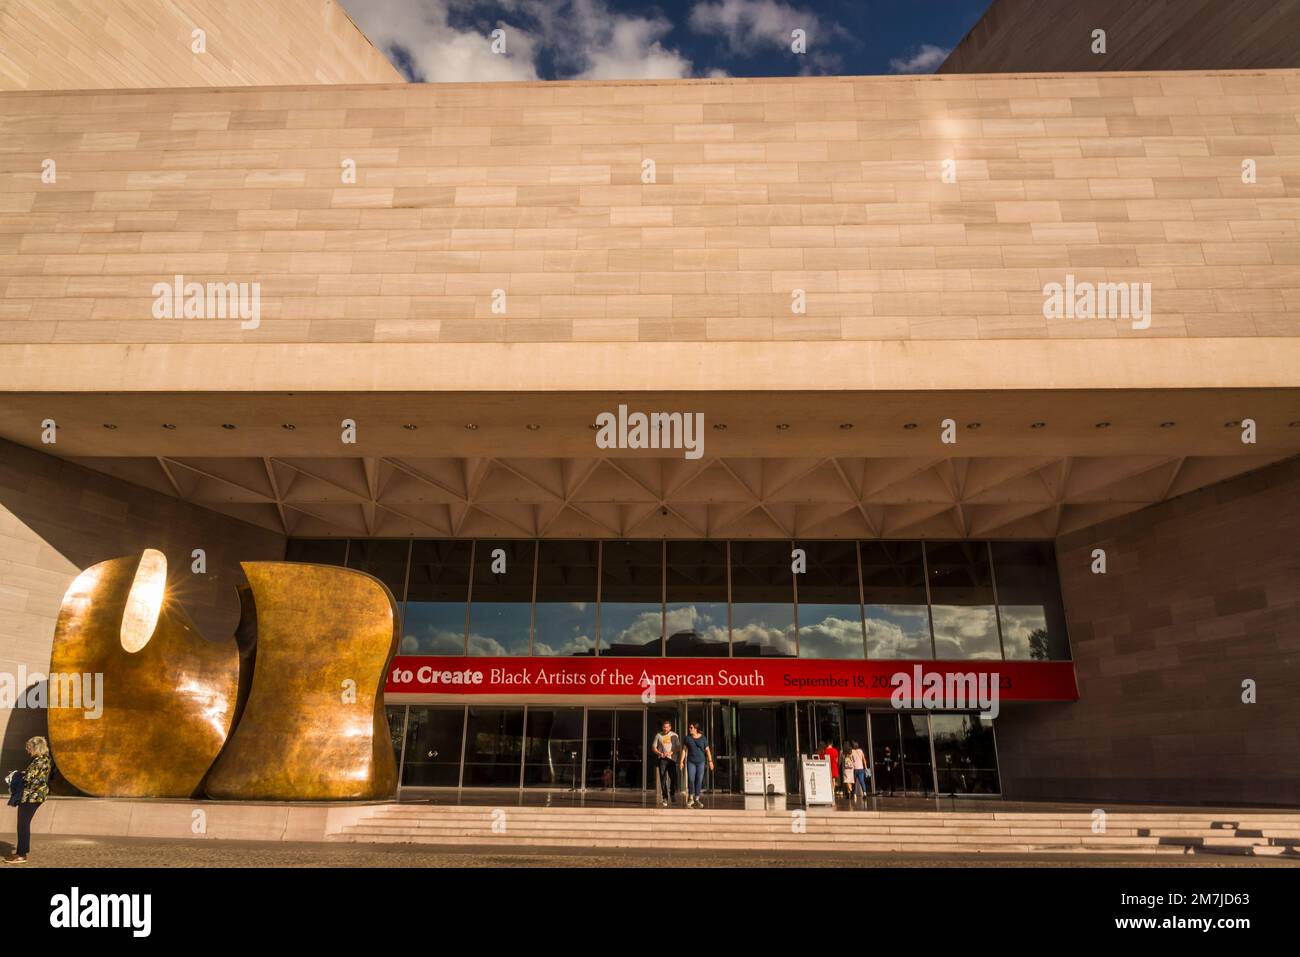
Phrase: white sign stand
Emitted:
{"points": [[817, 781], [774, 776]]}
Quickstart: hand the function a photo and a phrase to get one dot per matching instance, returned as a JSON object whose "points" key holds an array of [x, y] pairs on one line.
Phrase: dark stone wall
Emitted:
{"points": [[1201, 593], [1055, 36]]}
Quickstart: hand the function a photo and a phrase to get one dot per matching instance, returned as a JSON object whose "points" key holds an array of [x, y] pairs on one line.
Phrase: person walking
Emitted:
{"points": [[858, 760], [667, 746], [846, 770], [888, 766], [832, 755], [695, 756], [35, 789]]}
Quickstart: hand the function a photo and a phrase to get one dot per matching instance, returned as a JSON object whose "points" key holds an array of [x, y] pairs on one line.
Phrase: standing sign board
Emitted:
{"points": [[774, 776], [817, 781], [752, 774]]}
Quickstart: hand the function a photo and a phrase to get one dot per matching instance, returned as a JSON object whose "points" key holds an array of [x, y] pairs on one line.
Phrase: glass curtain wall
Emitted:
{"points": [[762, 600], [433, 622], [565, 613], [895, 600], [696, 613], [1029, 601], [632, 599], [830, 609], [957, 600], [962, 607], [501, 598]]}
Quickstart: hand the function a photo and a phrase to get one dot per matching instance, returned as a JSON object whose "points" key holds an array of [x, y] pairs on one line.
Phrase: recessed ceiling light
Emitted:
{"points": [[972, 425], [782, 426], [227, 425], [909, 425], [720, 426], [1102, 425], [410, 426], [1167, 425], [846, 426], [288, 426], [168, 425], [471, 427], [532, 427], [109, 425], [1037, 425]]}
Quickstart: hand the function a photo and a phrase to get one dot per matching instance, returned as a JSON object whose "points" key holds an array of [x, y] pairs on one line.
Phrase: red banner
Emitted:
{"points": [[730, 677]]}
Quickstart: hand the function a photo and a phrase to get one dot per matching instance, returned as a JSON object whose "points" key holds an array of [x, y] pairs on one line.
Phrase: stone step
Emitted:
{"points": [[705, 823], [841, 817], [751, 845], [1278, 821], [795, 839], [987, 832], [706, 833]]}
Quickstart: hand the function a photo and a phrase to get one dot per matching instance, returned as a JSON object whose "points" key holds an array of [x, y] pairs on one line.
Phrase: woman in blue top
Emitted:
{"points": [[696, 755]]}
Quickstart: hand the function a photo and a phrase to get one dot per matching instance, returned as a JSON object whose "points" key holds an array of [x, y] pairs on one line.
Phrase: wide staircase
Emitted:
{"points": [[1155, 832]]}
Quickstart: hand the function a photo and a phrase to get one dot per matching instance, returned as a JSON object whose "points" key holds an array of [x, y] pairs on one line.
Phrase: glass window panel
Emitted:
{"points": [[966, 755], [493, 747], [500, 611], [566, 599], [385, 558], [317, 551], [434, 619], [961, 593], [433, 740], [553, 748], [696, 616], [762, 600], [631, 599], [396, 715], [830, 618], [893, 588], [1029, 601]]}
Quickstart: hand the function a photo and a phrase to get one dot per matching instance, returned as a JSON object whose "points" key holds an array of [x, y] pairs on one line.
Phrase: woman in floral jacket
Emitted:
{"points": [[36, 788]]}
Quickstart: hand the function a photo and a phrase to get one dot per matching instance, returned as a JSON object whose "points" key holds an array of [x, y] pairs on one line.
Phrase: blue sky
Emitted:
{"points": [[448, 40]]}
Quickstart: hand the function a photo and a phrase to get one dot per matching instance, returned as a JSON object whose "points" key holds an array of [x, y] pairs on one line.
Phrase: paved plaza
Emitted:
{"points": [[59, 851]]}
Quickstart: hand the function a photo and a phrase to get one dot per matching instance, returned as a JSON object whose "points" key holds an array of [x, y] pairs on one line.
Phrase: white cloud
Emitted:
{"points": [[926, 59], [628, 48], [438, 52], [581, 38], [747, 26]]}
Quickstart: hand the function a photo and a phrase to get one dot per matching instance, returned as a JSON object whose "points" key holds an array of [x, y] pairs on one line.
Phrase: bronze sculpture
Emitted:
{"points": [[169, 694], [313, 726]]}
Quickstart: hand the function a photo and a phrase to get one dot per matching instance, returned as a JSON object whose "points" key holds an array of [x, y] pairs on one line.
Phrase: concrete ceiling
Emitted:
{"points": [[839, 497], [775, 465]]}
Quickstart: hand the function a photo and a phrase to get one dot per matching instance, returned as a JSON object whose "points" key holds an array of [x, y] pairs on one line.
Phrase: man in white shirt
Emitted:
{"points": [[666, 748]]}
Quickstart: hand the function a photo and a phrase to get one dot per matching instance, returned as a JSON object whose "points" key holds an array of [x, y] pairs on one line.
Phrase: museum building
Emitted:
{"points": [[921, 472]]}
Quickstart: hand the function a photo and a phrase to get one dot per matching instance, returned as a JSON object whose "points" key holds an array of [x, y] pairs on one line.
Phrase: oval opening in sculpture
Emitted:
{"points": [[144, 603]]}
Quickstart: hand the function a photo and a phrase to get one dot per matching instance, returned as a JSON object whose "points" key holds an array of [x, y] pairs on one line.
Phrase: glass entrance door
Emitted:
{"points": [[820, 723], [900, 752], [615, 753], [967, 754], [717, 721]]}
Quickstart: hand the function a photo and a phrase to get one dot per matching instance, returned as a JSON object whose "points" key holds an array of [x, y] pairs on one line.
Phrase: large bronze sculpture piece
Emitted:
{"points": [[169, 694], [301, 684], [313, 726]]}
